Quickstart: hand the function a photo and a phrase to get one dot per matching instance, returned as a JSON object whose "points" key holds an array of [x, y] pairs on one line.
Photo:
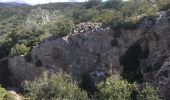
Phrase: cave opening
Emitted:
{"points": [[130, 62]]}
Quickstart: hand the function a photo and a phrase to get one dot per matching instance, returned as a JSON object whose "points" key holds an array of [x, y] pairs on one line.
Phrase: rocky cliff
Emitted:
{"points": [[100, 52]]}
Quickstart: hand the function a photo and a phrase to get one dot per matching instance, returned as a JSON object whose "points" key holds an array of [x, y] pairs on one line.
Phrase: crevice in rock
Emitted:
{"points": [[130, 62]]}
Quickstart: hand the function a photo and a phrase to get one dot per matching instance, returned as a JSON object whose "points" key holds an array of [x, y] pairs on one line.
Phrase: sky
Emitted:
{"points": [[33, 2]]}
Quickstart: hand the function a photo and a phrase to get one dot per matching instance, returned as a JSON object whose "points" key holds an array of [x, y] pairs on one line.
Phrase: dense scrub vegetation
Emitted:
{"points": [[58, 86], [61, 86], [17, 37]]}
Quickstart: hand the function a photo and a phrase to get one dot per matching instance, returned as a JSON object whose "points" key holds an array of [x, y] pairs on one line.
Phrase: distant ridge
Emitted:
{"points": [[11, 4]]}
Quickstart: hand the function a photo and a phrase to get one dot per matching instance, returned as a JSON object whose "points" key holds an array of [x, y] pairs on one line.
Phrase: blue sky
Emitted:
{"points": [[33, 2]]}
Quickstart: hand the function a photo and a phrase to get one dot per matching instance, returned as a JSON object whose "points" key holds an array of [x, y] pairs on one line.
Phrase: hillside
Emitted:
{"points": [[11, 5], [113, 50]]}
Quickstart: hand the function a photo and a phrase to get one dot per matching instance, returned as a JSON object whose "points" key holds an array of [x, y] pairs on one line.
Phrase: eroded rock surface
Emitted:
{"points": [[97, 54]]}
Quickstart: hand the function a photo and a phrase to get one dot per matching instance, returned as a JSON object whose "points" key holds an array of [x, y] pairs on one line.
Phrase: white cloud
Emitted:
{"points": [[39, 1]]}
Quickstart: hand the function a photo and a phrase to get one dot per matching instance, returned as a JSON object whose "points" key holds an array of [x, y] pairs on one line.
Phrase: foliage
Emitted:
{"points": [[2, 92], [84, 15], [115, 88], [61, 27], [58, 86], [148, 93], [105, 16], [114, 4], [5, 95], [91, 4], [22, 42], [20, 49], [163, 4]]}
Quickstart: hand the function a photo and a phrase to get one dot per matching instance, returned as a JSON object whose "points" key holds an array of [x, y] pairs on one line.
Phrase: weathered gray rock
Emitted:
{"points": [[156, 68], [93, 52]]}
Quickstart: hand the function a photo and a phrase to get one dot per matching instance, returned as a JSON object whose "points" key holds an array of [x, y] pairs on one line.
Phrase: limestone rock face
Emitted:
{"points": [[90, 52], [77, 54], [23, 70], [97, 54], [156, 67]]}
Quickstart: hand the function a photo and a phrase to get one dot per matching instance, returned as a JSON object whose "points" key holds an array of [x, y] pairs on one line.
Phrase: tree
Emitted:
{"points": [[115, 88], [55, 87], [114, 4], [91, 4]]}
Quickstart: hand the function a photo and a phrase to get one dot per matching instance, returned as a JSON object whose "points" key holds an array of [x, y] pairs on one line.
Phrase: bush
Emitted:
{"points": [[105, 16], [148, 93], [5, 95], [2, 92], [22, 42], [115, 88], [114, 4], [124, 23], [84, 15], [61, 27], [91, 4], [54, 87], [20, 49], [129, 24], [163, 4]]}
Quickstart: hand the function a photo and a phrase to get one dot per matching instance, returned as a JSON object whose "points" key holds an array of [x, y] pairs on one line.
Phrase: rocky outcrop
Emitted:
{"points": [[23, 70], [90, 51], [156, 67], [96, 51], [41, 16]]}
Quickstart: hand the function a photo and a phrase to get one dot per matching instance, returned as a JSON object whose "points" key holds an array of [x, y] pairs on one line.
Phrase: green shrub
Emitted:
{"points": [[84, 15], [163, 4], [61, 27], [5, 95], [148, 93], [114, 4], [91, 4], [126, 23], [115, 88], [9, 96], [2, 92], [55, 87], [105, 16], [129, 24], [20, 49]]}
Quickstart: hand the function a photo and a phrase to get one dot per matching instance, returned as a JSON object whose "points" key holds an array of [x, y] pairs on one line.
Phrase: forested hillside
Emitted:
{"points": [[11, 5], [90, 50]]}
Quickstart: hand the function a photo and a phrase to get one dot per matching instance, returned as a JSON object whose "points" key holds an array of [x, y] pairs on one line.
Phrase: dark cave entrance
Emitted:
{"points": [[130, 62]]}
